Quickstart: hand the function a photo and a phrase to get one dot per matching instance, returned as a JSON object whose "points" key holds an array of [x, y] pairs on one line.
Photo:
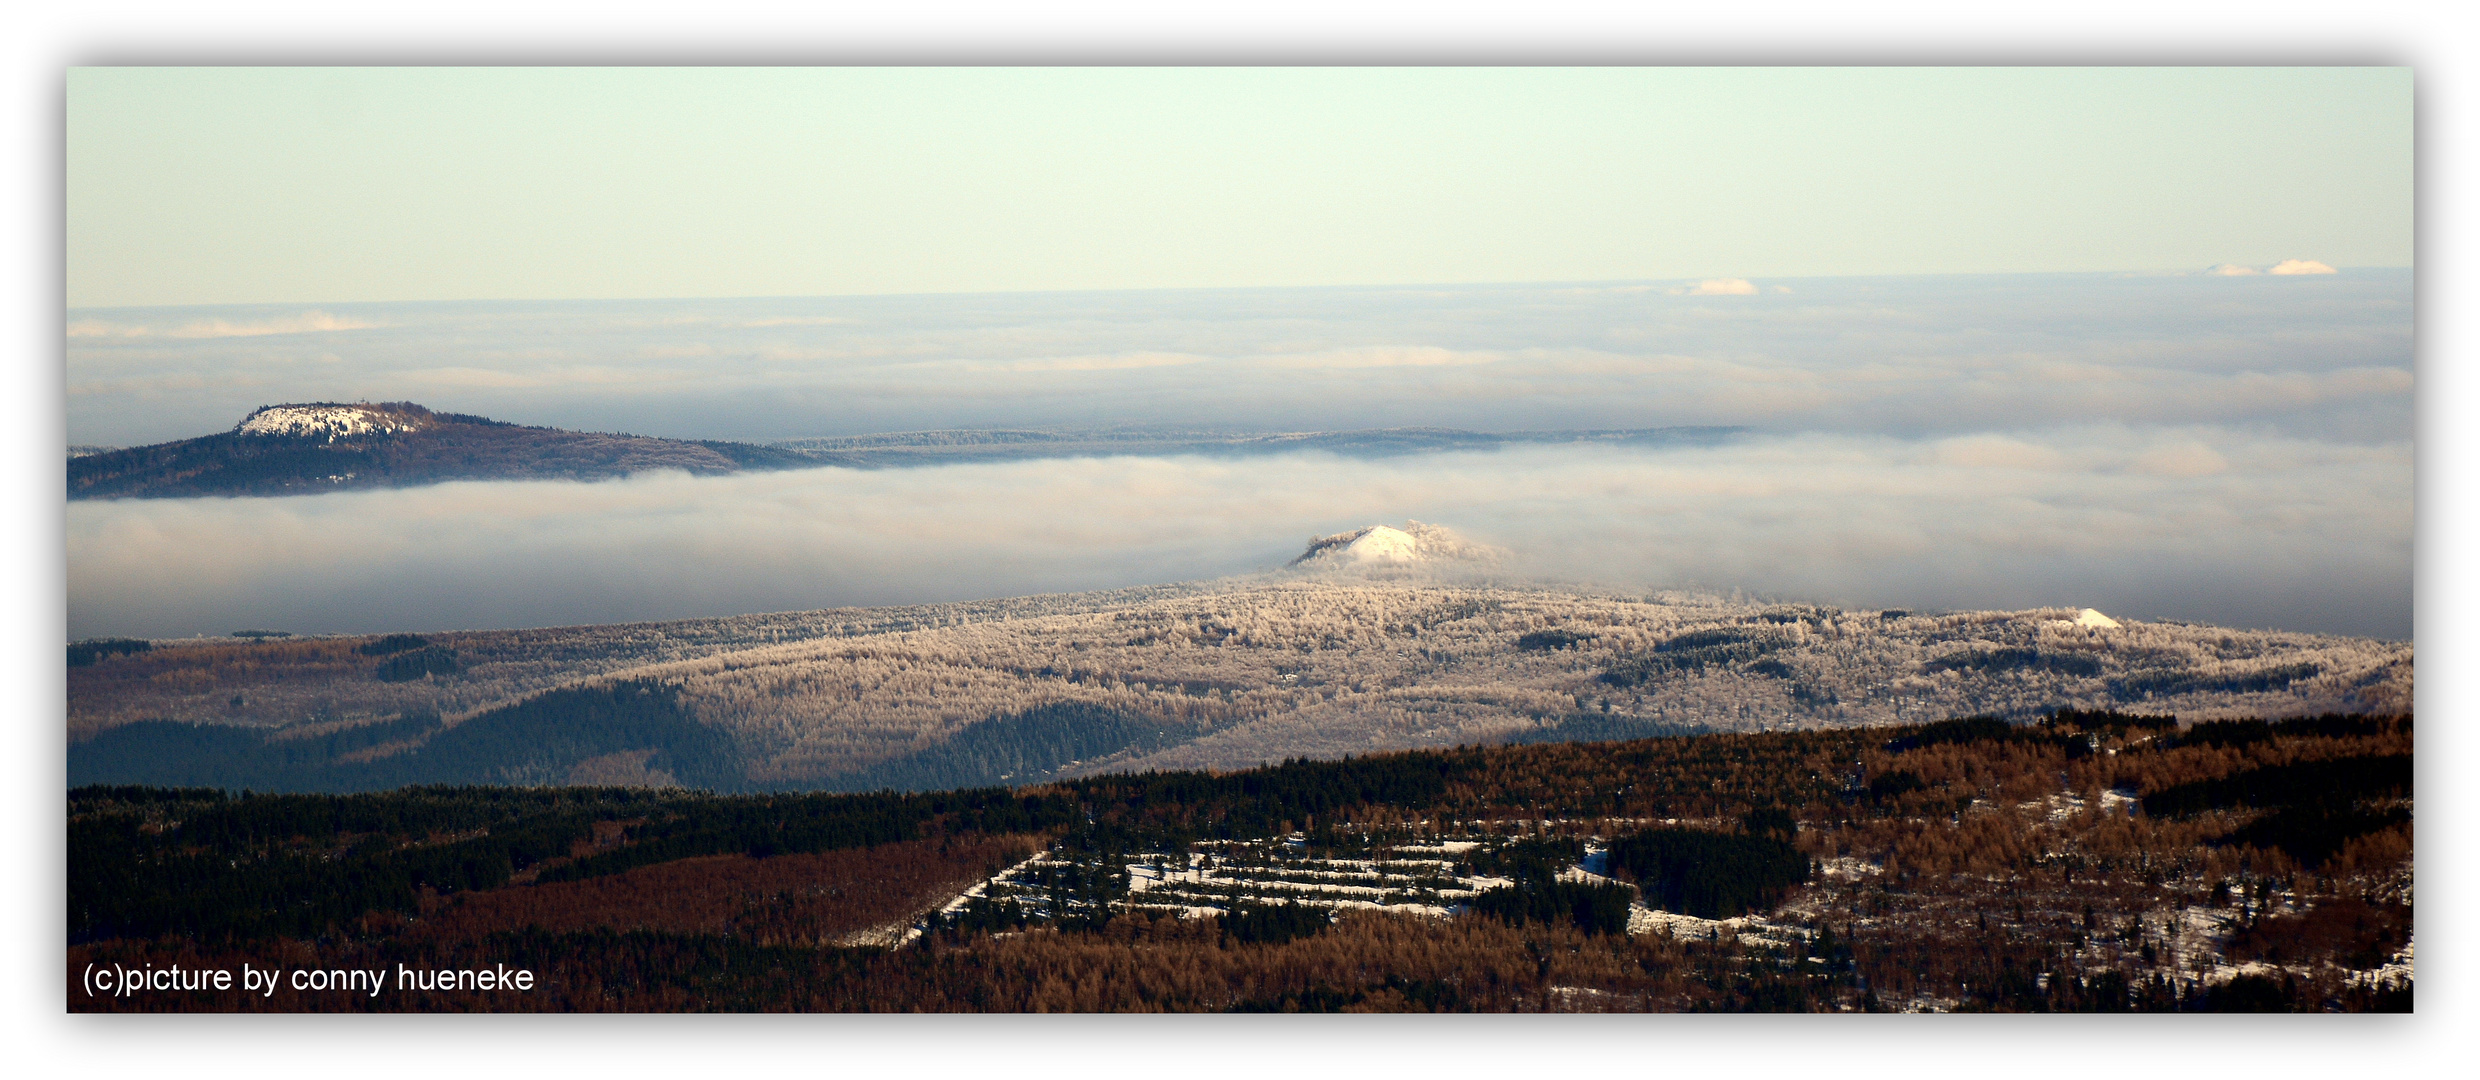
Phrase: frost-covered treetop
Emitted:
{"points": [[333, 421]]}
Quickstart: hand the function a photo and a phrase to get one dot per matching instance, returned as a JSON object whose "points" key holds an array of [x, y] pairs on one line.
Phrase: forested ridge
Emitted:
{"points": [[559, 736], [2088, 861], [432, 447], [1205, 675]]}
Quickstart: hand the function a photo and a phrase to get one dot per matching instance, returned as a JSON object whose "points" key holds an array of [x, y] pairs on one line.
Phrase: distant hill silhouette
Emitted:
{"points": [[304, 449], [309, 448]]}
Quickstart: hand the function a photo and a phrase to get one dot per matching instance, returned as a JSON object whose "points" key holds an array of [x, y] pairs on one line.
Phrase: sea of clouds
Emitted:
{"points": [[2229, 449]]}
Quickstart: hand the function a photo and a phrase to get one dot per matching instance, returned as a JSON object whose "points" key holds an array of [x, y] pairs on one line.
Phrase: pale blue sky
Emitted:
{"points": [[236, 185]]}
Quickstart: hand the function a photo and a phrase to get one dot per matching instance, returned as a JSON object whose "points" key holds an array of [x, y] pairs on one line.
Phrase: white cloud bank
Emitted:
{"points": [[309, 322], [1719, 287], [2206, 524]]}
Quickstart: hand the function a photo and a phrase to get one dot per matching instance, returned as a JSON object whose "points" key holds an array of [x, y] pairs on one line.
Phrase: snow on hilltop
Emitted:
{"points": [[333, 421], [1381, 546], [2089, 619], [1375, 544]]}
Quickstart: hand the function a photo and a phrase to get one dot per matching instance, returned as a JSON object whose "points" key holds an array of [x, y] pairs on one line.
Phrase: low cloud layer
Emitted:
{"points": [[2230, 449], [2324, 356], [2206, 524]]}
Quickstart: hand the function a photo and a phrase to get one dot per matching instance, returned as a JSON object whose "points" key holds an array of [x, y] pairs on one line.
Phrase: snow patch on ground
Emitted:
{"points": [[2065, 807], [2095, 619], [882, 935], [2395, 972], [979, 889], [1645, 920], [2087, 619]]}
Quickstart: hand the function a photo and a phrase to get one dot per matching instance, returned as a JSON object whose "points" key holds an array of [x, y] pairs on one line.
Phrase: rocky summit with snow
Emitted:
{"points": [[1381, 547], [327, 421]]}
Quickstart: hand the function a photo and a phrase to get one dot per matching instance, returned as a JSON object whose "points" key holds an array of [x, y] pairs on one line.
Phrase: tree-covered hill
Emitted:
{"points": [[395, 444], [1213, 674]]}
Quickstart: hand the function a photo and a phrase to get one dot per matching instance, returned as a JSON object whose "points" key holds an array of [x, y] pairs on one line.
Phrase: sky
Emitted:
{"points": [[2139, 338], [237, 185]]}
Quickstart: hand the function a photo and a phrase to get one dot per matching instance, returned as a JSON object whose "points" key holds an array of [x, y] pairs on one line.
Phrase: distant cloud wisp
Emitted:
{"points": [[1384, 356], [1719, 287], [308, 322], [1112, 362], [2285, 268]]}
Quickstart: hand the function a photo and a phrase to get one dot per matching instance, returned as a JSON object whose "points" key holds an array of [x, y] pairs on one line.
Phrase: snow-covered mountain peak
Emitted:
{"points": [[1382, 544], [332, 421], [1375, 547], [2088, 619]]}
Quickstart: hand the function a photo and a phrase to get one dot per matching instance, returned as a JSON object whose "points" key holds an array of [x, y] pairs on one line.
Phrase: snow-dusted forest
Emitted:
{"points": [[1262, 668], [1265, 669]]}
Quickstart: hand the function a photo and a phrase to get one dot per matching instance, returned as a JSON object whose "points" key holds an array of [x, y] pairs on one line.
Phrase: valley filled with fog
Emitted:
{"points": [[2236, 451]]}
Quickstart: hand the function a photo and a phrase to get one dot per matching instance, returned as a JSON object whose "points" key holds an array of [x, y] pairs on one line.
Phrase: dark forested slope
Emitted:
{"points": [[304, 449], [2087, 862]]}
